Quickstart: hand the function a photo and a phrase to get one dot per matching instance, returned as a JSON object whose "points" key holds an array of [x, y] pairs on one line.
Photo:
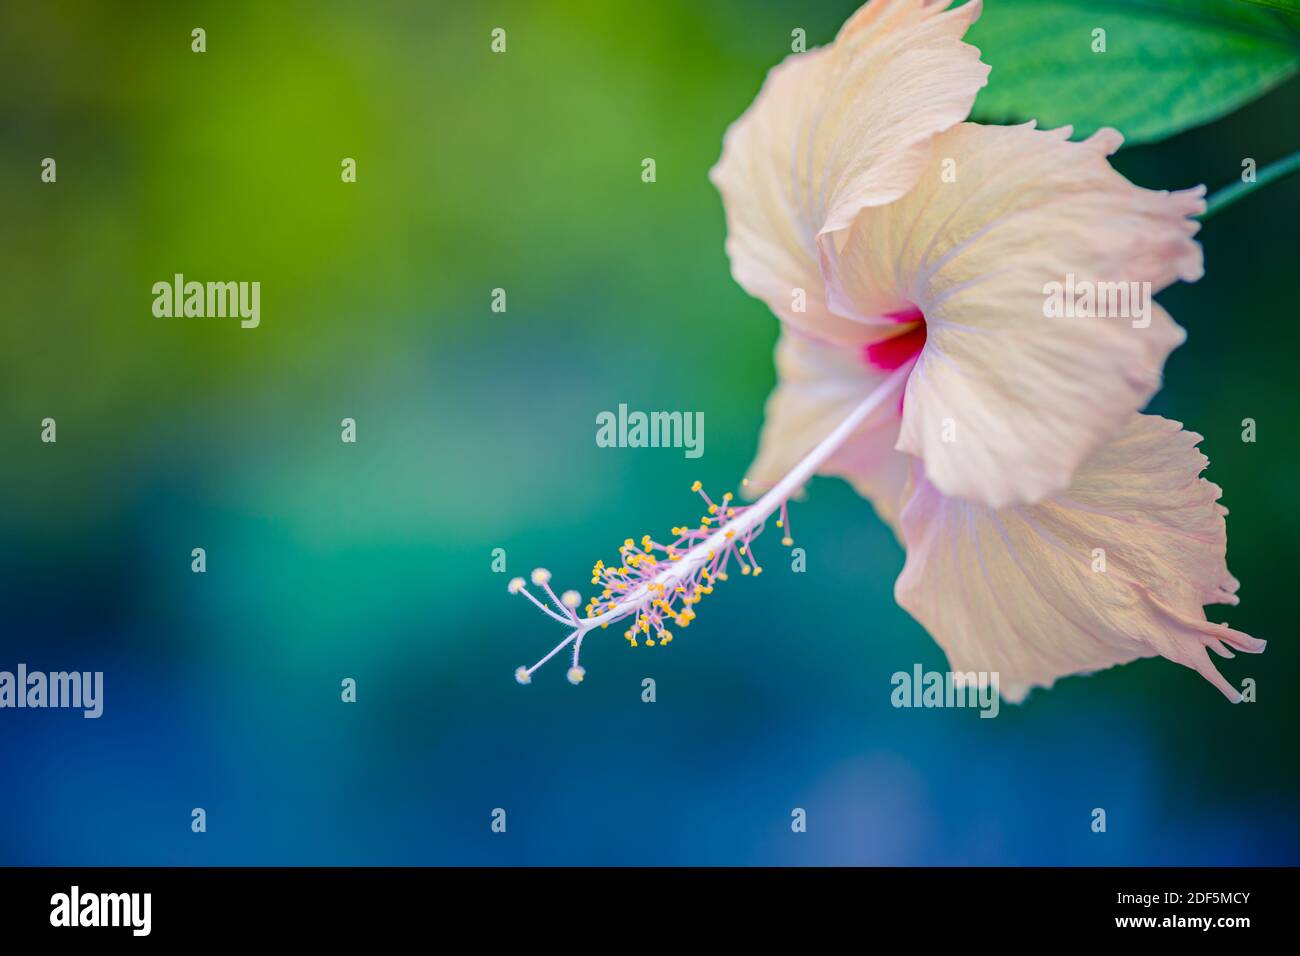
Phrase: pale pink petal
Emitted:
{"points": [[817, 387], [1005, 402], [1015, 591], [833, 130]]}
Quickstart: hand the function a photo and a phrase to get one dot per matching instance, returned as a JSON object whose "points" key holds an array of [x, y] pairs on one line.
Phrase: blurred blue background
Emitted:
{"points": [[475, 431]]}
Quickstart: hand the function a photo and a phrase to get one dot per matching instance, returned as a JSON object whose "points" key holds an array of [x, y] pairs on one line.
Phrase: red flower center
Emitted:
{"points": [[888, 354]]}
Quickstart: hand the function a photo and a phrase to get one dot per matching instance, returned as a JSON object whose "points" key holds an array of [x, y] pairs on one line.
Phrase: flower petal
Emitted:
{"points": [[833, 130], [1005, 401], [817, 387], [1016, 590]]}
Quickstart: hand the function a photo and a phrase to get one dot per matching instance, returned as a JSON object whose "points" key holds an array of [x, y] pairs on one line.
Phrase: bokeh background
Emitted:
{"points": [[476, 431]]}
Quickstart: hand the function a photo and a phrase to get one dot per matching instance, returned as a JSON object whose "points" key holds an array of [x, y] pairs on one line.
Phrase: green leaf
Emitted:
{"points": [[1167, 65]]}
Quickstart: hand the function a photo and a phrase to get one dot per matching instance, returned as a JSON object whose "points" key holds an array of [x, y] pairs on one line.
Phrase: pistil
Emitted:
{"points": [[659, 583]]}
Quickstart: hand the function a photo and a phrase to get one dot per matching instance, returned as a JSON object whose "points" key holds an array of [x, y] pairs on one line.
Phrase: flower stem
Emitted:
{"points": [[1228, 195]]}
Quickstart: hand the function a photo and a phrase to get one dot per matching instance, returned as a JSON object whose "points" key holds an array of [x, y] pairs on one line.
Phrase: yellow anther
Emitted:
{"points": [[713, 509], [697, 486], [787, 541], [744, 569], [727, 497]]}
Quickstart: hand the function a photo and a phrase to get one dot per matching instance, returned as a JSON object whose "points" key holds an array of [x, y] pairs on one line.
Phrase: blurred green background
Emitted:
{"points": [[476, 430]]}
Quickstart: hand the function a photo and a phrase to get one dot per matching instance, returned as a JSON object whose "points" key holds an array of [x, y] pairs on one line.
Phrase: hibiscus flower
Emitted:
{"points": [[1049, 528]]}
